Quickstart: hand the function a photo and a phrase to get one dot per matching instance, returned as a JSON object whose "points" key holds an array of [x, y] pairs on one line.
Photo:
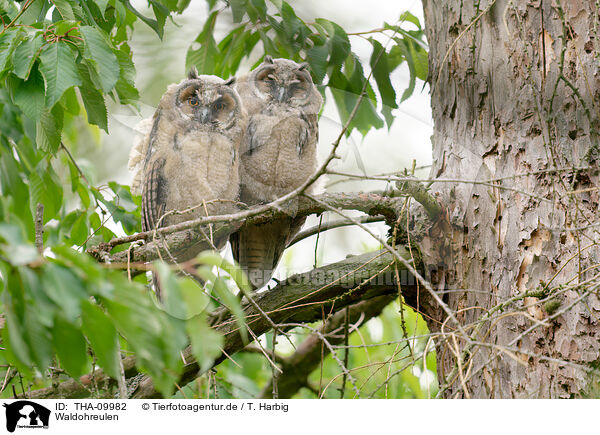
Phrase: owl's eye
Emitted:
{"points": [[218, 106], [194, 101]]}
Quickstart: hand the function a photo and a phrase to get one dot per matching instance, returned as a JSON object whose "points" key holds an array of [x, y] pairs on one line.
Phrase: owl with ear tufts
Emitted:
{"points": [[278, 155], [189, 158]]}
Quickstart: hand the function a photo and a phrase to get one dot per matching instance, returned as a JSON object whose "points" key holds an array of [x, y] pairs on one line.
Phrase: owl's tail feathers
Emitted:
{"points": [[258, 249]]}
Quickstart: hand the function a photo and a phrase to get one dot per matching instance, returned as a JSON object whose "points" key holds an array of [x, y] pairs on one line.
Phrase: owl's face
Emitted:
{"points": [[208, 101], [283, 81]]}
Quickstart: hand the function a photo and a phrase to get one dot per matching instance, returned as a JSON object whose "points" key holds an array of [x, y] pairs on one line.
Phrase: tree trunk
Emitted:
{"points": [[515, 88]]}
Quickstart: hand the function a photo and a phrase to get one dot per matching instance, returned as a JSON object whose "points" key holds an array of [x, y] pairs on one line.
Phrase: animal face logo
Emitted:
{"points": [[25, 413]]}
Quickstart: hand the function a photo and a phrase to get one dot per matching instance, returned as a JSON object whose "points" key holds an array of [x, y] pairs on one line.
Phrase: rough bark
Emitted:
{"points": [[515, 87]]}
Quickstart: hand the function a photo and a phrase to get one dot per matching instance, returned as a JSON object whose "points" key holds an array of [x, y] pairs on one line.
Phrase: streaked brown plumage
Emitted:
{"points": [[277, 156], [190, 157]]}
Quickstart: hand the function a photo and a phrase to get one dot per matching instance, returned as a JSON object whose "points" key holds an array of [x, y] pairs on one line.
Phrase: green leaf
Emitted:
{"points": [[206, 342], [407, 16], [38, 336], [25, 55], [153, 24], [157, 339], [259, 7], [93, 100], [45, 188], [194, 297], [102, 335], [170, 294], [70, 347], [21, 252], [381, 73], [8, 7], [29, 95], [64, 289], [65, 9], [125, 86], [8, 41], [339, 44], [16, 337], [99, 53], [70, 102], [101, 5], [48, 130], [238, 9], [59, 71], [317, 59], [211, 258], [205, 57], [80, 231]]}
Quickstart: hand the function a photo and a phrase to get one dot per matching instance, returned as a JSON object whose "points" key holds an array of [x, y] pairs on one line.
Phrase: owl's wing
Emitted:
{"points": [[311, 132], [153, 194]]}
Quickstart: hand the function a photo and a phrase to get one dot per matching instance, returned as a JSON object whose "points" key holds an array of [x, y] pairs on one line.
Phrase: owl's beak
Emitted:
{"points": [[204, 114], [282, 95]]}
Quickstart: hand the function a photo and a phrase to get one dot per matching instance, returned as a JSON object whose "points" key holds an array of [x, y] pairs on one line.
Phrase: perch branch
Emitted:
{"points": [[187, 233], [297, 367], [298, 299]]}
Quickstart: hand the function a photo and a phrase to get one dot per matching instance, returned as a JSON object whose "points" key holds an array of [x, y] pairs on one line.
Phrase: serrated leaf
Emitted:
{"points": [[102, 335], [339, 44], [238, 9], [99, 53], [407, 16], [93, 100], [260, 8], [45, 188], [65, 9], [70, 346], [25, 55], [153, 24], [79, 230], [195, 299], [381, 73], [205, 57], [101, 5], [9, 8], [64, 289], [38, 336], [170, 294], [317, 59], [8, 41], [29, 95], [15, 332], [59, 71], [206, 343], [125, 86], [48, 130], [70, 102]]}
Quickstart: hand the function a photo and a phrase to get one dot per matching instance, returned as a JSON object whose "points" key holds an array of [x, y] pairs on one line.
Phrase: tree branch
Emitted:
{"points": [[299, 299], [189, 233], [297, 367]]}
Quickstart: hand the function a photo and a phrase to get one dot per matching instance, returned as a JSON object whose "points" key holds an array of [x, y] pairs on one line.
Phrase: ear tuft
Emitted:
{"points": [[230, 81], [193, 74], [268, 59], [303, 66]]}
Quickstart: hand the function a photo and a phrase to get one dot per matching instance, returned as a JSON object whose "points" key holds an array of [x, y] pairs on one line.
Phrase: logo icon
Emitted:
{"points": [[26, 414]]}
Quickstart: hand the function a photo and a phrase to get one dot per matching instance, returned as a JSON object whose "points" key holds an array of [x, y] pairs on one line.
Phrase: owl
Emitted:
{"points": [[277, 156], [189, 158]]}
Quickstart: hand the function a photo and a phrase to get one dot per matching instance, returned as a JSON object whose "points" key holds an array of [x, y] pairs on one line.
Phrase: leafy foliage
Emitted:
{"points": [[60, 62], [327, 49]]}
